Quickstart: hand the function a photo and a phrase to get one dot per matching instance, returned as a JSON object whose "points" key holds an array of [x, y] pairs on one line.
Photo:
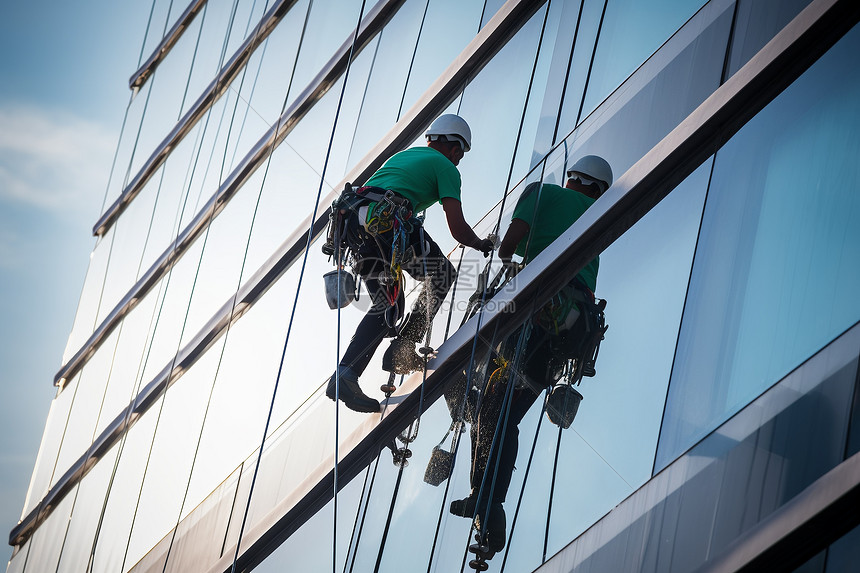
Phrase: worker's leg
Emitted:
{"points": [[534, 362], [438, 275], [484, 454], [432, 267], [369, 333]]}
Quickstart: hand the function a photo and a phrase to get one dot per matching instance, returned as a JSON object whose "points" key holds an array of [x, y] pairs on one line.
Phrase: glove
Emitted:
{"points": [[486, 247], [512, 267]]}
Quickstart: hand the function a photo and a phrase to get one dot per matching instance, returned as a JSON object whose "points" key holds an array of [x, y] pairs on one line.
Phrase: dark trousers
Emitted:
{"points": [[540, 368], [428, 264]]}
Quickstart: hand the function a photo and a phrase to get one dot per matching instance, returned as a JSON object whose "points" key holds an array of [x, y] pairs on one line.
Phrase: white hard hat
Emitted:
{"points": [[452, 127], [593, 167]]}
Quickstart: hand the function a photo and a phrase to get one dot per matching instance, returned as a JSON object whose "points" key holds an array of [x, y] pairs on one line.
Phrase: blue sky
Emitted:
{"points": [[63, 92]]}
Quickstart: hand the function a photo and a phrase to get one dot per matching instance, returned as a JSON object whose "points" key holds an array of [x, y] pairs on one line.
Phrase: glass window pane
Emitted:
{"points": [[50, 447], [774, 277], [16, 562], [457, 23], [86, 404], [180, 414], [631, 32], [243, 390], [652, 102], [123, 494], [614, 437], [88, 305], [47, 541], [758, 22], [844, 553], [134, 333], [172, 312], [735, 478], [392, 59], [89, 498]]}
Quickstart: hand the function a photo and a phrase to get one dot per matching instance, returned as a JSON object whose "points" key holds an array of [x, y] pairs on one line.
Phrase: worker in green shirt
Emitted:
{"points": [[422, 176], [542, 214]]}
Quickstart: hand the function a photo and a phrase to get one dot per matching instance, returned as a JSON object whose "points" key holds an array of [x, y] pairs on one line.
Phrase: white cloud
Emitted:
{"points": [[53, 160]]}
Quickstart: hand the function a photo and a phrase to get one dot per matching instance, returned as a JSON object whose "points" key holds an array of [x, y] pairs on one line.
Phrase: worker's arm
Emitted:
{"points": [[460, 229], [518, 231]]}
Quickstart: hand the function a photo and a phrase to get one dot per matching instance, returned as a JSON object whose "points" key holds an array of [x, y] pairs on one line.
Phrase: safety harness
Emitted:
{"points": [[573, 322], [377, 217]]}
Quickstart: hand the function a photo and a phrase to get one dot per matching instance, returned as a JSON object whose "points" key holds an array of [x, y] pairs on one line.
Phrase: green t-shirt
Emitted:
{"points": [[420, 174], [559, 207]]}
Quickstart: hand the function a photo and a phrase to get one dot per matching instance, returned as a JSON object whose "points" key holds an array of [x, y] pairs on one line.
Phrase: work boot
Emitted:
{"points": [[351, 395], [464, 507], [401, 358], [494, 533]]}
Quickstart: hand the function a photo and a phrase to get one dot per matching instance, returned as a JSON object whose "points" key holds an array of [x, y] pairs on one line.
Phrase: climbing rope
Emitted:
{"points": [[153, 325], [525, 477], [229, 325], [551, 493], [292, 318]]}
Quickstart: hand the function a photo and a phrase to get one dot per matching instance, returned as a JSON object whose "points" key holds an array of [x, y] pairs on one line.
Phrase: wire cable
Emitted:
{"points": [[223, 345], [525, 478], [551, 494], [412, 60], [591, 63], [358, 526], [295, 304]]}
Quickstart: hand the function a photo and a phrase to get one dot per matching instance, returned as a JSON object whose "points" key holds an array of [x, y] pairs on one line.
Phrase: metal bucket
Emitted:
{"points": [[339, 288], [439, 466], [562, 405]]}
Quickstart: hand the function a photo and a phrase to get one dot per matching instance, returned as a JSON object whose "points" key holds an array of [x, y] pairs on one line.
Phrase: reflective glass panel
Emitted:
{"points": [[664, 91], [268, 75], [457, 23], [242, 391], [503, 121], [18, 559], [734, 478], [844, 554], [135, 334], [631, 31], [172, 313], [383, 91], [180, 414], [80, 429], [182, 76], [758, 22], [50, 447], [89, 498], [88, 305], [47, 541], [123, 494], [128, 240], [774, 277]]}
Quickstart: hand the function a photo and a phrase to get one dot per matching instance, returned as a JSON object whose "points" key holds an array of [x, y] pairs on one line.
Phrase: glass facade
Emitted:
{"points": [[191, 426], [778, 226]]}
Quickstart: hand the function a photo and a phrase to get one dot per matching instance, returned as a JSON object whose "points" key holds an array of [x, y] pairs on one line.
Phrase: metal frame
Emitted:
{"points": [[144, 72], [207, 99], [814, 518], [375, 20]]}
